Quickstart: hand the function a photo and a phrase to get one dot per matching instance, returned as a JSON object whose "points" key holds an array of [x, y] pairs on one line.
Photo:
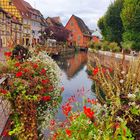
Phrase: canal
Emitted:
{"points": [[74, 79]]}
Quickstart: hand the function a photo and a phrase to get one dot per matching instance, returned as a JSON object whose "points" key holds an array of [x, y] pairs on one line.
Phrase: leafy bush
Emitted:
{"points": [[97, 45], [127, 46], [105, 46], [114, 47], [32, 89]]}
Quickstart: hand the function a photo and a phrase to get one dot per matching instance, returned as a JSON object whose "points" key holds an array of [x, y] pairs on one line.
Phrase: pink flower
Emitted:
{"points": [[62, 89]]}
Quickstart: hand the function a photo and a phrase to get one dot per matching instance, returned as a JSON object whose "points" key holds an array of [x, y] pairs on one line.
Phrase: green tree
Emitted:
{"points": [[131, 21], [111, 24]]}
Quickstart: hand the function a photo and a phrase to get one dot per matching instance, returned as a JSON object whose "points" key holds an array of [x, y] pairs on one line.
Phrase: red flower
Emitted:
{"points": [[17, 64], [46, 81], [62, 89], [117, 125], [8, 54], [66, 109], [88, 112], [19, 74], [110, 69], [43, 71], [5, 133], [3, 91], [55, 136], [35, 66], [92, 101], [52, 122], [50, 89], [46, 98], [95, 71], [103, 70], [68, 132], [25, 70]]}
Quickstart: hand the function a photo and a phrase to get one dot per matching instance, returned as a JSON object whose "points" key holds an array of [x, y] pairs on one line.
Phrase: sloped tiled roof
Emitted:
{"points": [[26, 9], [55, 21], [83, 27]]}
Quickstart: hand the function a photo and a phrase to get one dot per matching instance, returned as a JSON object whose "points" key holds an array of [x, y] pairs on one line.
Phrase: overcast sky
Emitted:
{"points": [[89, 10]]}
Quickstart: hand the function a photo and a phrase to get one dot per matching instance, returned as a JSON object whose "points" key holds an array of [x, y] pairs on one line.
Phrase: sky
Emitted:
{"points": [[89, 10]]}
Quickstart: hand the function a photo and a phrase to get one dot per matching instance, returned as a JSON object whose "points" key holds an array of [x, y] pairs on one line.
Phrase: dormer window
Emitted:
{"points": [[10, 2]]}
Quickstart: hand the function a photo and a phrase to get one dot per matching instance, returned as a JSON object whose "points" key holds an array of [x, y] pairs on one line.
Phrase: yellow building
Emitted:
{"points": [[9, 7], [5, 28], [11, 23]]}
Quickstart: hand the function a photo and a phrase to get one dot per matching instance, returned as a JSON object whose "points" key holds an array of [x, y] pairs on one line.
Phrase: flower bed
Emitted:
{"points": [[116, 115], [32, 89]]}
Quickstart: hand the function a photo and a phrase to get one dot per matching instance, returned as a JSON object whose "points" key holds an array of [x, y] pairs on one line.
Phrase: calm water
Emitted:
{"points": [[74, 78]]}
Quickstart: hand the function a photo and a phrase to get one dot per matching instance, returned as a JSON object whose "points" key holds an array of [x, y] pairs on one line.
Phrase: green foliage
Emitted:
{"points": [[105, 46], [111, 24], [127, 46], [131, 21], [114, 47]]}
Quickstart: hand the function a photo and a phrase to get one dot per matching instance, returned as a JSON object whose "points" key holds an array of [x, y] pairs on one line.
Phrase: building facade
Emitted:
{"points": [[32, 22], [10, 29], [80, 34], [5, 28]]}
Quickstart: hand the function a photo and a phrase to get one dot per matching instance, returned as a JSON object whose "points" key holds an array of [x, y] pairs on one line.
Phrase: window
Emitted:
{"points": [[71, 24], [79, 38]]}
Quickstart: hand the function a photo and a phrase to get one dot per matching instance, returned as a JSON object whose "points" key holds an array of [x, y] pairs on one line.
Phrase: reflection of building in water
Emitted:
{"points": [[72, 63], [75, 64]]}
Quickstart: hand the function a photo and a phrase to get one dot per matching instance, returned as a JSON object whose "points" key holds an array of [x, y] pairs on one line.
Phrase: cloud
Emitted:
{"points": [[89, 10]]}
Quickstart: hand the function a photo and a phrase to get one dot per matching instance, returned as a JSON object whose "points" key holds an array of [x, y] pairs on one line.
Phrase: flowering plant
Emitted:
{"points": [[116, 113], [31, 83]]}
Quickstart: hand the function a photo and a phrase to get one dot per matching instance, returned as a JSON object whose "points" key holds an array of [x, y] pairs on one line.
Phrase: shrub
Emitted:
{"points": [[32, 89], [127, 46], [105, 46], [114, 47], [97, 45]]}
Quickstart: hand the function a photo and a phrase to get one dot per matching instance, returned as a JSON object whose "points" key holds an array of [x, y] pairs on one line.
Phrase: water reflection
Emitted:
{"points": [[72, 64], [74, 78]]}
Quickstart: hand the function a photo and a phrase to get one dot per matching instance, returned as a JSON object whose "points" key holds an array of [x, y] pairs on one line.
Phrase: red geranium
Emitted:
{"points": [[17, 64], [88, 112], [68, 132], [43, 71], [45, 81], [95, 71], [8, 54], [3, 91], [35, 66], [66, 109], [5, 133], [26, 70], [19, 74], [46, 98]]}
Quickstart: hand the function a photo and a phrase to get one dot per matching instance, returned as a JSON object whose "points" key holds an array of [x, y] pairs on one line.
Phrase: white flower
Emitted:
{"points": [[131, 95], [121, 81], [123, 72]]}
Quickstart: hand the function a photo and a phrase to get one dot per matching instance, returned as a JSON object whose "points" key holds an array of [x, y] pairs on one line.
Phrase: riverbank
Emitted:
{"points": [[107, 59]]}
